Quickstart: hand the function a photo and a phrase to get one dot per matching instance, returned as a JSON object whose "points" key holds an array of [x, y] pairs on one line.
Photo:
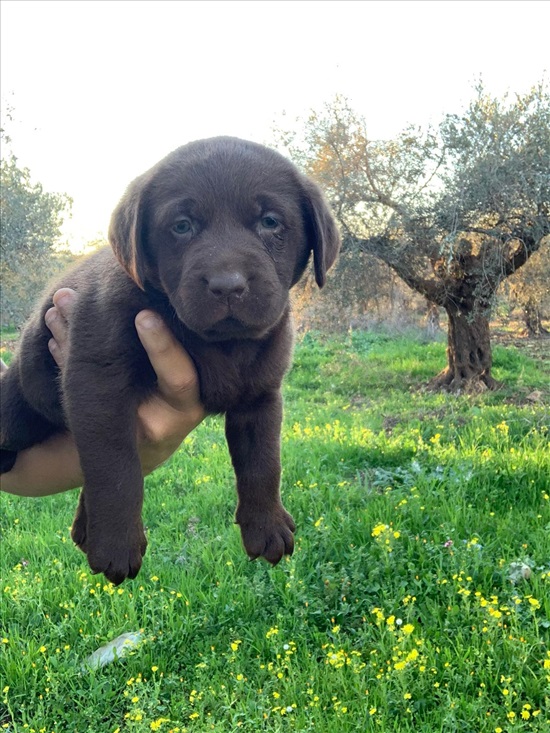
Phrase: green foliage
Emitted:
{"points": [[498, 169], [31, 222], [401, 609]]}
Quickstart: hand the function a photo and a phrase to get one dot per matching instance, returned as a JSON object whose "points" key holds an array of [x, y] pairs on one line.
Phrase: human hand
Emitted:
{"points": [[174, 410], [164, 420]]}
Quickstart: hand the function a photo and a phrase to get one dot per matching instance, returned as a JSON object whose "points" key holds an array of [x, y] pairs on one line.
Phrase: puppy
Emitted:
{"points": [[212, 238]]}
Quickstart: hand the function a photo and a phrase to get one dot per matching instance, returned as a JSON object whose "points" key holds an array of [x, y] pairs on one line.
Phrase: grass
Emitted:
{"points": [[404, 607], [7, 336]]}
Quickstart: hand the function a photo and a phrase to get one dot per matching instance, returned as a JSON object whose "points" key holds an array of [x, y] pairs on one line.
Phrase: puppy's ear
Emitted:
{"points": [[323, 232], [127, 231]]}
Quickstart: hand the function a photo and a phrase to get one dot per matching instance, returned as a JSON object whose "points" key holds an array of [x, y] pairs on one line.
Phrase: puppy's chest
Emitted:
{"points": [[234, 376]]}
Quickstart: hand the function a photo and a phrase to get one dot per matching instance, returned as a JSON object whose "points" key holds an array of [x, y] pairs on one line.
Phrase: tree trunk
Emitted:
{"points": [[533, 320], [468, 353]]}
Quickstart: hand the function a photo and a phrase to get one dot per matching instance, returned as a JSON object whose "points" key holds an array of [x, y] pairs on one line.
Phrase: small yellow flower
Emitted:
{"points": [[408, 629], [379, 529], [534, 603], [503, 427], [372, 711], [155, 725]]}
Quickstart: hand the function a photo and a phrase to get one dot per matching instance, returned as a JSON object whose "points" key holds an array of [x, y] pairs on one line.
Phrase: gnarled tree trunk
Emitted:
{"points": [[468, 352]]}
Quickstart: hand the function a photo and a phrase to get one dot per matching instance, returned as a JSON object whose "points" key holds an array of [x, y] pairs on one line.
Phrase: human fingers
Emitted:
{"points": [[177, 378], [57, 319], [174, 410]]}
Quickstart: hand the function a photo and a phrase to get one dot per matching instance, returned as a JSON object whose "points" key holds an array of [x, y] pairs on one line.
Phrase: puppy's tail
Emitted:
{"points": [[7, 459]]}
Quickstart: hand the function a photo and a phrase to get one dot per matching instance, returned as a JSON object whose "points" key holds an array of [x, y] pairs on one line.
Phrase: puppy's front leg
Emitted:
{"points": [[101, 414], [254, 438]]}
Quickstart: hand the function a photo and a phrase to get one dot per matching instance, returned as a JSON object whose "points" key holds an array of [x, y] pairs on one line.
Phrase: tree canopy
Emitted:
{"points": [[31, 221]]}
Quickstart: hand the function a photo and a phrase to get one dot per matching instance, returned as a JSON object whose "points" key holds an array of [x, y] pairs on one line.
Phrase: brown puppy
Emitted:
{"points": [[213, 237]]}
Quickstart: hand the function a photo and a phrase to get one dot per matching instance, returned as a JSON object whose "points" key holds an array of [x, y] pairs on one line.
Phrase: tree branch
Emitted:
{"points": [[380, 195], [383, 249], [529, 238]]}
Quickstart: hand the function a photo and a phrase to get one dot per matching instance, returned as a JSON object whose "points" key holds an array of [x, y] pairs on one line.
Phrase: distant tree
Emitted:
{"points": [[453, 211], [530, 289], [30, 229]]}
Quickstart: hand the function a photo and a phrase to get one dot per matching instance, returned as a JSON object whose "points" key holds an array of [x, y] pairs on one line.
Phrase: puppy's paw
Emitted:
{"points": [[117, 558], [268, 535]]}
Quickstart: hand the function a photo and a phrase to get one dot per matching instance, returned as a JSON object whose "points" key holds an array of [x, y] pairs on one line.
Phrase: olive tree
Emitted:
{"points": [[530, 289], [453, 210]]}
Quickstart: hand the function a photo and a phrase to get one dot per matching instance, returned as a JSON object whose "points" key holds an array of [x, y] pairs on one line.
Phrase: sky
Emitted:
{"points": [[102, 89]]}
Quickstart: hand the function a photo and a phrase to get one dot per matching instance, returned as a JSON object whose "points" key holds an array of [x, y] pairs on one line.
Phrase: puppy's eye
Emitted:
{"points": [[269, 222], [183, 226]]}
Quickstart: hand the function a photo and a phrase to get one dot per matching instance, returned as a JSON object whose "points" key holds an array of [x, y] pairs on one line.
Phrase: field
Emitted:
{"points": [[418, 598]]}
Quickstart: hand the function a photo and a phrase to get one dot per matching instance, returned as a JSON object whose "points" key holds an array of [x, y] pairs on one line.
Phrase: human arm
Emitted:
{"points": [[164, 420]]}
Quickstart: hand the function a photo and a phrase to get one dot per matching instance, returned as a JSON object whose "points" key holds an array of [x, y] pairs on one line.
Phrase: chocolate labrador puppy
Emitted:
{"points": [[212, 237]]}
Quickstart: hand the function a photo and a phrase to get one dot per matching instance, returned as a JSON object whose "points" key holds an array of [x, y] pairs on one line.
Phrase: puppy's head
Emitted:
{"points": [[224, 228]]}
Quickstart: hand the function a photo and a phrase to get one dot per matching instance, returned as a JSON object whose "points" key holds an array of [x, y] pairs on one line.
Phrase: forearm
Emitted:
{"points": [[163, 421], [53, 466], [48, 468]]}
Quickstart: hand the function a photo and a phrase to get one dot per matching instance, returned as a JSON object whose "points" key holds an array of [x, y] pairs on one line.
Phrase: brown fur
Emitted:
{"points": [[223, 289]]}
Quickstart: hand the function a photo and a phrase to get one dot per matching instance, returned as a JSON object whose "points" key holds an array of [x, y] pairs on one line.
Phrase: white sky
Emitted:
{"points": [[104, 88]]}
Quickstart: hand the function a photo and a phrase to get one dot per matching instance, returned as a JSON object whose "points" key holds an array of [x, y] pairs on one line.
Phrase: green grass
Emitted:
{"points": [[8, 335], [396, 612]]}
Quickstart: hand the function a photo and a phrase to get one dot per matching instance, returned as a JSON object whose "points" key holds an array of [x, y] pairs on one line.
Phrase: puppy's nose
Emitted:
{"points": [[226, 284]]}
